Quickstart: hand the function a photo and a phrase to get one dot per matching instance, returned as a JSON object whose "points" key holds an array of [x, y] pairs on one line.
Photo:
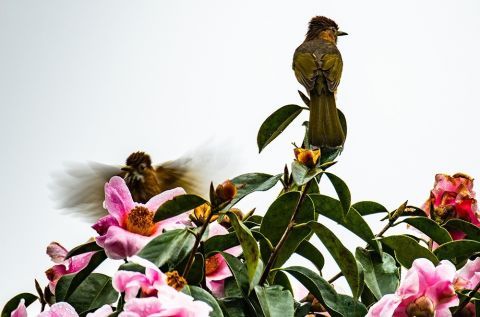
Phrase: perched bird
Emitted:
{"points": [[317, 64], [80, 190]]}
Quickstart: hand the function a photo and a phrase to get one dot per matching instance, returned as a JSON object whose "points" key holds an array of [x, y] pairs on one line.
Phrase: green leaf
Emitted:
{"points": [[177, 206], [220, 243], [12, 304], [251, 252], [305, 99], [430, 228], [78, 278], [276, 221], [344, 258], [336, 304], [281, 279], [408, 250], [275, 124], [239, 272], [353, 221], [202, 295], [234, 307], [365, 208], [196, 273], [132, 267], [174, 245], [275, 301], [311, 253], [84, 248], [252, 182], [458, 248], [342, 191], [472, 231], [381, 275], [302, 174], [95, 291]]}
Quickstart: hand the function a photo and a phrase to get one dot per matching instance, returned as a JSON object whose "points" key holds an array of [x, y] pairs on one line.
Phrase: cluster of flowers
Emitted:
{"points": [[122, 234]]}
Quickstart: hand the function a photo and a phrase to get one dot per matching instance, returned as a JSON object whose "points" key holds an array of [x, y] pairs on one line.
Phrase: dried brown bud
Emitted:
{"points": [[175, 280], [308, 158], [226, 220], [421, 307], [226, 191]]}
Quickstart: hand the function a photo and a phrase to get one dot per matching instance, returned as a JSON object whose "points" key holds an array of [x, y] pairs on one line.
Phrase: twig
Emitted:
{"points": [[286, 233]]}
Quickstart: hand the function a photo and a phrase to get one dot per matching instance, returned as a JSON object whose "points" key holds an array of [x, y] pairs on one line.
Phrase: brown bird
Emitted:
{"points": [[81, 190], [317, 64]]}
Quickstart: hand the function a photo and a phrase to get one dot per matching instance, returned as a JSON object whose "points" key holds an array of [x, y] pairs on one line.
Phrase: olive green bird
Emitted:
{"points": [[318, 64]]}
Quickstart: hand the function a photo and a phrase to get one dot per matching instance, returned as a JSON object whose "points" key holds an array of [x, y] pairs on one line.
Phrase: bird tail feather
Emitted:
{"points": [[325, 129]]}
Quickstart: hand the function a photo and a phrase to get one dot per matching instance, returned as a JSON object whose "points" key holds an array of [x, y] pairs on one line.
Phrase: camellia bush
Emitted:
{"points": [[186, 255]]}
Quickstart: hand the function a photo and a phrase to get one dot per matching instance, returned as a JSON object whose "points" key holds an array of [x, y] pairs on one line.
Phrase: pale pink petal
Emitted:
{"points": [[235, 251], [158, 200], [179, 304], [119, 243], [104, 311], [118, 199], [222, 271], [386, 306], [142, 307], [469, 274], [128, 282], [178, 222], [21, 310], [216, 287], [102, 225], [61, 309], [56, 252], [79, 262], [216, 229], [155, 277]]}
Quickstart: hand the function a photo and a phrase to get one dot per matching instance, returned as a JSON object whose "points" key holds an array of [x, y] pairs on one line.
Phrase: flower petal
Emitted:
{"points": [[386, 306], [118, 199], [128, 282], [102, 225], [61, 309], [21, 310], [158, 200], [119, 243], [104, 311], [79, 262], [56, 252]]}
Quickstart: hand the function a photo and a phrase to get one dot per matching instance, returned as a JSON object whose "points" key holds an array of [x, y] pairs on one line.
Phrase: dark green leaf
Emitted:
{"points": [[311, 253], [430, 228], [231, 288], [196, 273], [275, 301], [177, 206], [303, 309], [302, 174], [276, 221], [220, 243], [408, 250], [133, 267], [275, 124], [239, 272], [341, 255], [202, 295], [84, 248], [251, 252], [12, 304], [369, 207], [95, 291], [175, 245], [281, 279], [381, 274], [458, 248], [353, 221], [78, 278], [342, 191], [252, 182], [472, 231], [234, 307], [336, 304]]}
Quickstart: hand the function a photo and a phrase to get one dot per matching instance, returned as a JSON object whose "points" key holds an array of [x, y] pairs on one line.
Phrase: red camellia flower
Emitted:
{"points": [[453, 197]]}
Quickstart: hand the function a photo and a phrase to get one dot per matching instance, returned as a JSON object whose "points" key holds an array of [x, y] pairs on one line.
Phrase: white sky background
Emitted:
{"points": [[96, 80]]}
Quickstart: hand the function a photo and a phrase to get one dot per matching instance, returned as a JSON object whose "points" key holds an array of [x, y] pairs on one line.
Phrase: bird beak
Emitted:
{"points": [[341, 33], [126, 169]]}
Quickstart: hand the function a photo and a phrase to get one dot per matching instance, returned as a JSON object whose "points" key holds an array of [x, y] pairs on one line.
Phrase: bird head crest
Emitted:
{"points": [[137, 158], [318, 24]]}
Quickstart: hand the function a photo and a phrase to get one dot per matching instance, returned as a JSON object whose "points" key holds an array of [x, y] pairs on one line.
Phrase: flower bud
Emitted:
{"points": [[421, 307], [226, 191], [201, 213], [308, 158], [226, 220]]}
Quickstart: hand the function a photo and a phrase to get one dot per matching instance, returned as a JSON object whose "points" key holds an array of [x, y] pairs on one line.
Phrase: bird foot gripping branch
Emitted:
{"points": [[188, 255]]}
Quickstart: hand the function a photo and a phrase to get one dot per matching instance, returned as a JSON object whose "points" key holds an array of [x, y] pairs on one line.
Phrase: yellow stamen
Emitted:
{"points": [[140, 221]]}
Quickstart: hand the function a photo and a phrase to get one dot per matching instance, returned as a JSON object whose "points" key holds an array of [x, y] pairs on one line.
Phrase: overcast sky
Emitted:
{"points": [[96, 80]]}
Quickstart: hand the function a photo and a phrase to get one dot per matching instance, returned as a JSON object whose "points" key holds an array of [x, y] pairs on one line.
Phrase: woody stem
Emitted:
{"points": [[286, 233], [198, 239]]}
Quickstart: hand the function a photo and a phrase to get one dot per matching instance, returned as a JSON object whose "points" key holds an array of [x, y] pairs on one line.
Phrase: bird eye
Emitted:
{"points": [[142, 166]]}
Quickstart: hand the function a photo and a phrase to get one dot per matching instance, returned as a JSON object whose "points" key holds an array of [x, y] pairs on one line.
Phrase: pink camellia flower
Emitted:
{"points": [[426, 290], [21, 310], [168, 303], [130, 226], [469, 275], [61, 309], [453, 197], [131, 283], [64, 266], [216, 268]]}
